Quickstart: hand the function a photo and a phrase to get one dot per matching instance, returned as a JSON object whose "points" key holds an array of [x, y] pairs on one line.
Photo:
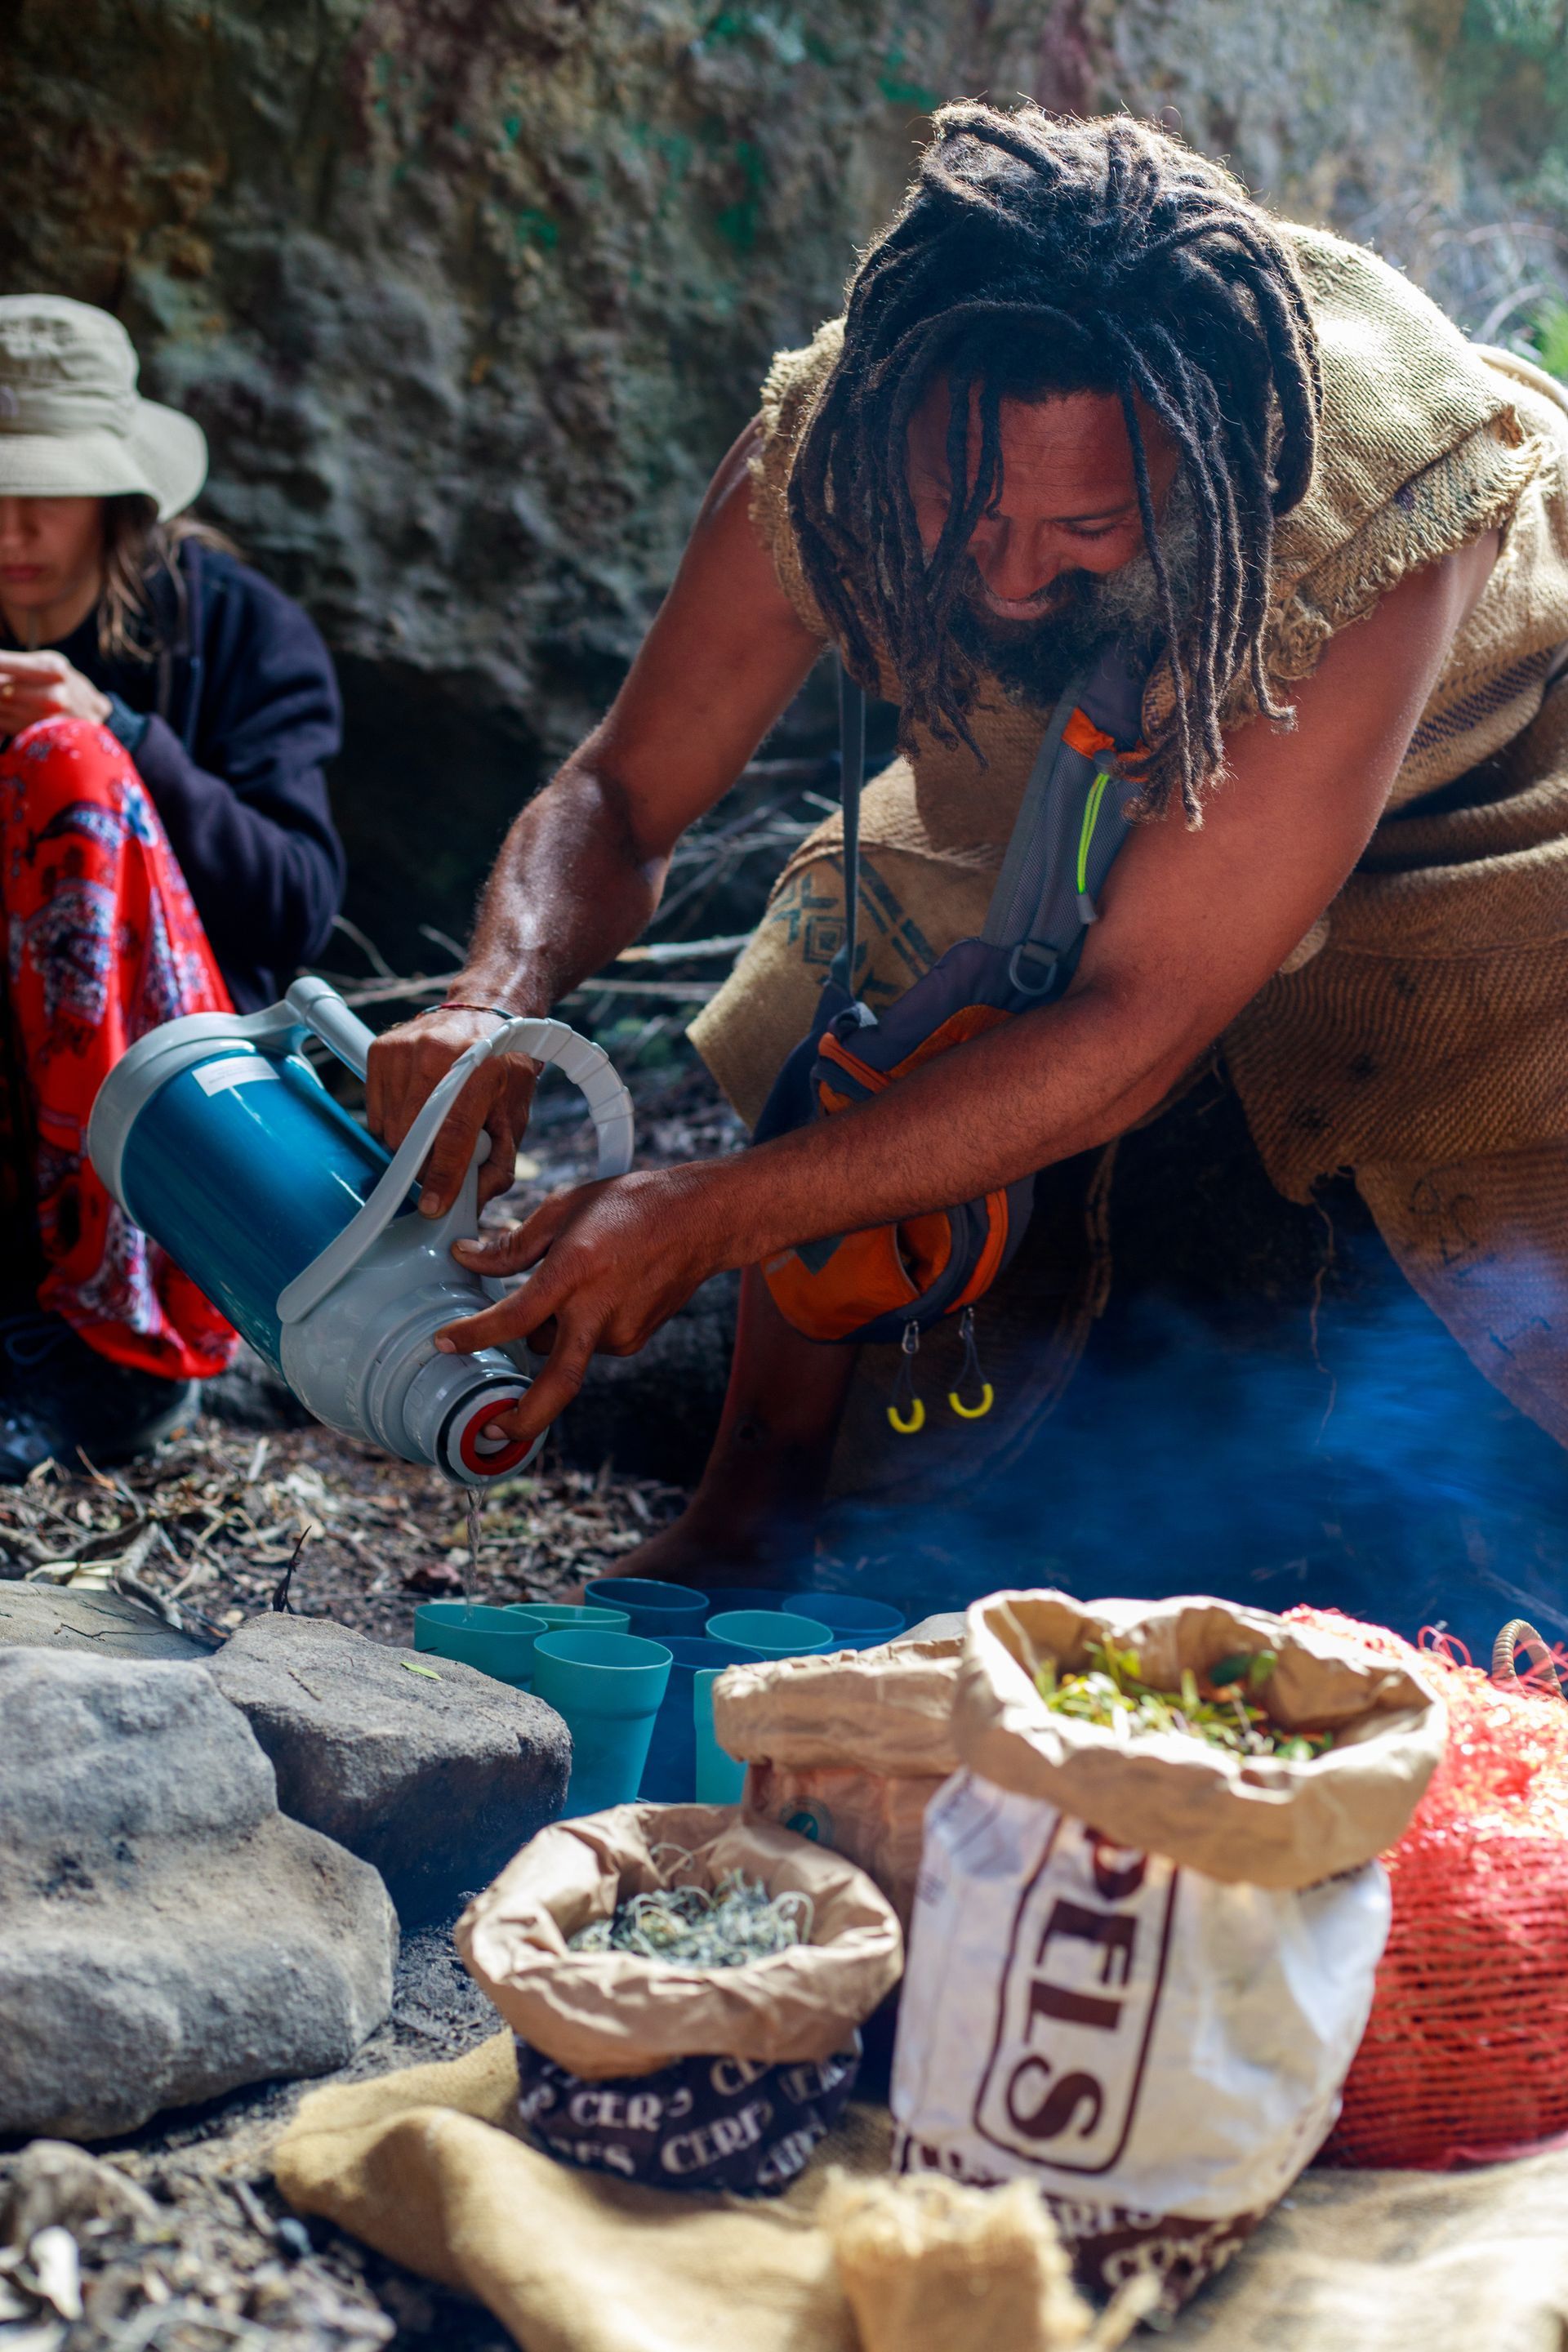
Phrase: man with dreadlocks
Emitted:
{"points": [[1087, 392]]}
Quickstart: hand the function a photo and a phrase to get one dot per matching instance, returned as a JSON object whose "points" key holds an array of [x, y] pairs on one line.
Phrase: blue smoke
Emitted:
{"points": [[1364, 1466]]}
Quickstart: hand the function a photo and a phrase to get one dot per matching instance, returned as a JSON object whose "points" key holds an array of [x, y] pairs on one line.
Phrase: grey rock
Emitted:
{"points": [[251, 1396], [435, 1781], [168, 1935], [105, 1624]]}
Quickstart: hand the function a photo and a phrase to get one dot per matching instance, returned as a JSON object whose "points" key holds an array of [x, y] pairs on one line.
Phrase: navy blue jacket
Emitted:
{"points": [[241, 711]]}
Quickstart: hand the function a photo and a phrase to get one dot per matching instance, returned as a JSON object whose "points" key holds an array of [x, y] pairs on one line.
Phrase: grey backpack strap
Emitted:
{"points": [[852, 776], [1033, 852], [1062, 848]]}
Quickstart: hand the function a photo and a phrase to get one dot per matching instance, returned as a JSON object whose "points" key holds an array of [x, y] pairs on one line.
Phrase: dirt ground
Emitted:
{"points": [[206, 1528], [218, 2261]]}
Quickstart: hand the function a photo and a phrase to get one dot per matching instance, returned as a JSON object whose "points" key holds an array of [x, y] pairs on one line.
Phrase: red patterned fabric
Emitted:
{"points": [[102, 943]]}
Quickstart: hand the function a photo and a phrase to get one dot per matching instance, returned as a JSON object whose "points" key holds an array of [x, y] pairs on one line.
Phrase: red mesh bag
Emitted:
{"points": [[1465, 2056]]}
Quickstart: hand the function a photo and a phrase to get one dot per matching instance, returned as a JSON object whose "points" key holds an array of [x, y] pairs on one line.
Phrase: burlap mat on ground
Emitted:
{"points": [[425, 2165]]}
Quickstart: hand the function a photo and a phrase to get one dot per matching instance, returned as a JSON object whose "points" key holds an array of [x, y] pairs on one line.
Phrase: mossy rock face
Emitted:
{"points": [[470, 300]]}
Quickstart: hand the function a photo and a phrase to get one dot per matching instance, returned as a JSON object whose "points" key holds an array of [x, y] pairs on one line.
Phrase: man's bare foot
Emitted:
{"points": [[753, 1515], [695, 1549]]}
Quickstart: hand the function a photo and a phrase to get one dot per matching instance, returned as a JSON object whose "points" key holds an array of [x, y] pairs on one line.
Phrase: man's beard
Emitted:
{"points": [[1089, 610]]}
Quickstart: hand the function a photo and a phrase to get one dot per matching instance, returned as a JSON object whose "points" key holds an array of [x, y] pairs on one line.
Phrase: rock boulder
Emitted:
{"points": [[101, 1624], [432, 1771], [167, 1934]]}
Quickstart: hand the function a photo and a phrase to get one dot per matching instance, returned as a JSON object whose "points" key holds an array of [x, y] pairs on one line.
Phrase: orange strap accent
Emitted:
{"points": [[1081, 734]]}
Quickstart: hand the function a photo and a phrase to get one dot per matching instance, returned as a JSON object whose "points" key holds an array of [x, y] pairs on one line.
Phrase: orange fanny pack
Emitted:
{"points": [[891, 1282]]}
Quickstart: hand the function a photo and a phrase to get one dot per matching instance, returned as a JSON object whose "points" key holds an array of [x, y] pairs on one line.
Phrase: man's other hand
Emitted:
{"points": [[45, 686], [615, 1260], [406, 1064]]}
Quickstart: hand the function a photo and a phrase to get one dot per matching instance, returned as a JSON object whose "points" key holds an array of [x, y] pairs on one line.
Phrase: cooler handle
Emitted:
{"points": [[586, 1064], [317, 1005]]}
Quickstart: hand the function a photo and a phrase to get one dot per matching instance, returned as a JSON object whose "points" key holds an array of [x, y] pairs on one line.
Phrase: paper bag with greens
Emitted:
{"points": [[1148, 1914]]}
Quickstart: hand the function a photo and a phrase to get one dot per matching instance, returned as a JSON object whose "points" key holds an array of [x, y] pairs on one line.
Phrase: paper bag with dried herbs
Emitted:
{"points": [[686, 1989]]}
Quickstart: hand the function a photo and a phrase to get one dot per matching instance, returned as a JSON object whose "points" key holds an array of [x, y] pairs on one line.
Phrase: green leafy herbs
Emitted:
{"points": [[691, 1926], [1220, 1706]]}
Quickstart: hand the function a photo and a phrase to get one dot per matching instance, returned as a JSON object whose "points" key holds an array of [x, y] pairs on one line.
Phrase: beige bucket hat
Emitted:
{"points": [[73, 424]]}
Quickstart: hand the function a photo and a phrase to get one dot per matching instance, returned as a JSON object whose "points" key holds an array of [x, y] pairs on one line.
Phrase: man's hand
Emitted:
{"points": [[45, 686], [616, 1259], [404, 1067]]}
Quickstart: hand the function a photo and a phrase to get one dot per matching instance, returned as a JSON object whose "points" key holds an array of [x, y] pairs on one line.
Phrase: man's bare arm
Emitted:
{"points": [[1193, 926], [581, 871]]}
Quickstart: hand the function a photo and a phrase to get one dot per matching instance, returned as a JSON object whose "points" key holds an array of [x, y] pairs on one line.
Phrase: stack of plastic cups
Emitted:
{"points": [[669, 1776], [564, 1616], [855, 1624], [499, 1642], [653, 1609], [756, 1634], [608, 1687], [753, 1596]]}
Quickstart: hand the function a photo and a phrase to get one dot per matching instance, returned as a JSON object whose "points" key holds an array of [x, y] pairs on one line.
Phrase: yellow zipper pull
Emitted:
{"points": [[970, 1372], [907, 1413]]}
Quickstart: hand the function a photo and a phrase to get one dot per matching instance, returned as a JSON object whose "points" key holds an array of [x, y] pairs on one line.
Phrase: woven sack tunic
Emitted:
{"points": [[1418, 1035]]}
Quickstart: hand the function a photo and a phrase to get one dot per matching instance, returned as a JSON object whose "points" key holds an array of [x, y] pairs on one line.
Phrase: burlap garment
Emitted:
{"points": [[425, 2165], [1420, 1035]]}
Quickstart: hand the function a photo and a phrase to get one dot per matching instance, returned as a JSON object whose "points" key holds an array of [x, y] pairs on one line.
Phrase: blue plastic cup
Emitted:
{"points": [[499, 1642], [750, 1596], [770, 1633], [569, 1616], [655, 1609], [855, 1623], [719, 1778], [608, 1687], [670, 1775]]}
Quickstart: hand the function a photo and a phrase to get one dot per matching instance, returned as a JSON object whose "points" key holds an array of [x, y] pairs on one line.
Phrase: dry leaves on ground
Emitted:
{"points": [[204, 1528]]}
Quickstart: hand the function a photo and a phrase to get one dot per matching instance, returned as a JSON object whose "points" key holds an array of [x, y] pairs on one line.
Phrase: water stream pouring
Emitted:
{"points": [[215, 1135]]}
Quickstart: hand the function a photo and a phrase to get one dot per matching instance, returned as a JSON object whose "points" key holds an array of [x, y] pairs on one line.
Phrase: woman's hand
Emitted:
{"points": [[45, 686], [615, 1260], [404, 1067]]}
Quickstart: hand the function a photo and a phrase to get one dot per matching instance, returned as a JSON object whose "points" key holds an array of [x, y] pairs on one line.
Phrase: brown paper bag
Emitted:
{"points": [[603, 2015], [846, 1750], [1253, 1820]]}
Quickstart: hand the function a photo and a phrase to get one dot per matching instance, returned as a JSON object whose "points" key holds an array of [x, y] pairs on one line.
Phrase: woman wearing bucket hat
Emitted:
{"points": [[166, 846]]}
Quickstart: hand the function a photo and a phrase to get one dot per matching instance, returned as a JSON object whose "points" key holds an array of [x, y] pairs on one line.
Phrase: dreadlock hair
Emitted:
{"points": [[1034, 255]]}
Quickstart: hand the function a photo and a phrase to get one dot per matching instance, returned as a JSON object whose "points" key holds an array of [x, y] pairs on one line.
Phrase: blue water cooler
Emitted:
{"points": [[215, 1135]]}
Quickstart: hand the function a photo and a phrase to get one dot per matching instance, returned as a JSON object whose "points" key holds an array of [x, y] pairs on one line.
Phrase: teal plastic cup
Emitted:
{"points": [[608, 1687], [855, 1623], [720, 1779], [569, 1617], [750, 1596], [654, 1607], [499, 1642], [770, 1633], [670, 1775]]}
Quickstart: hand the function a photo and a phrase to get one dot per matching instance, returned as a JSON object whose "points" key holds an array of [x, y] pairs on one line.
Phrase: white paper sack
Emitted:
{"points": [[1114, 2028]]}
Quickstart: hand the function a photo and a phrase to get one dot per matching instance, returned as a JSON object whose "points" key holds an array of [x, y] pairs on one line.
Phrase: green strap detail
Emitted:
{"points": [[1086, 835]]}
